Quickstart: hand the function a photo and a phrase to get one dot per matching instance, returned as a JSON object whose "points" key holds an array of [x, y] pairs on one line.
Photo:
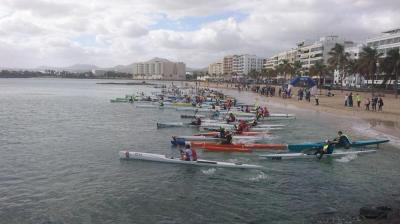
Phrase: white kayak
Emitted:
{"points": [[313, 156], [165, 159], [231, 126], [174, 124], [208, 122], [244, 114], [194, 109], [192, 116], [154, 106]]}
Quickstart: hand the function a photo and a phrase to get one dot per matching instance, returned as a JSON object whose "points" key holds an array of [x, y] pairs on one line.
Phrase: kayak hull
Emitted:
{"points": [[314, 145], [163, 159], [237, 147], [312, 156]]}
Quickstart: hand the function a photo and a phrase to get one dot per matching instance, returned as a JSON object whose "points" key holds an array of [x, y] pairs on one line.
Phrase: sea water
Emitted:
{"points": [[59, 144]]}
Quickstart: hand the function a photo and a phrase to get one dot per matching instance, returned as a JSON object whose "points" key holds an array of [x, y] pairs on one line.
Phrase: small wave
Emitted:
{"points": [[210, 171], [260, 176], [346, 159]]}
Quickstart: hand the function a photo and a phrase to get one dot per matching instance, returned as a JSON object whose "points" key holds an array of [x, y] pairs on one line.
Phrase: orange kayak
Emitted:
{"points": [[235, 147]]}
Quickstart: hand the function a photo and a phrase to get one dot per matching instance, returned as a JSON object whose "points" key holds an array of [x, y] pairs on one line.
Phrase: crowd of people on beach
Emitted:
{"points": [[370, 104], [376, 103]]}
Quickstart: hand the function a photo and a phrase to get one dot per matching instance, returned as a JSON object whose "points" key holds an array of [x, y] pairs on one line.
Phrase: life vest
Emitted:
{"points": [[325, 148]]}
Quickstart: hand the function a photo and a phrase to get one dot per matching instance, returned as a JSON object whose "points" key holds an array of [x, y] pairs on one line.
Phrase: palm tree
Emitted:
{"points": [[391, 66], [319, 69], [254, 74], [338, 59], [286, 68], [368, 63], [297, 67]]}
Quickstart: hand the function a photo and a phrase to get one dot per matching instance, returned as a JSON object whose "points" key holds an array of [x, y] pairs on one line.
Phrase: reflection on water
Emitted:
{"points": [[388, 124]]}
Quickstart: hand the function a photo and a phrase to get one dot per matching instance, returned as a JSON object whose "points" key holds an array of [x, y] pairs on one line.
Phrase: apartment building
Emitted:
{"points": [[215, 68], [385, 42], [243, 64], [227, 64], [159, 68], [309, 53]]}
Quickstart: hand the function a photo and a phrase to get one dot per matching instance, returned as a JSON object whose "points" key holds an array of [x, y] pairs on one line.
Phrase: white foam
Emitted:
{"points": [[210, 171], [260, 176], [346, 159]]}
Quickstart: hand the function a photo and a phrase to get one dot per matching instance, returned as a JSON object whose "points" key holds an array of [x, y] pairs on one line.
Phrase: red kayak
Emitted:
{"points": [[246, 133], [236, 147]]}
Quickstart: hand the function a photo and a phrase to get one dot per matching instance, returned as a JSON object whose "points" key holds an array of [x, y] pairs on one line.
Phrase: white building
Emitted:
{"points": [[159, 68], [271, 62], [243, 64], [354, 51], [386, 41], [309, 53], [215, 68]]}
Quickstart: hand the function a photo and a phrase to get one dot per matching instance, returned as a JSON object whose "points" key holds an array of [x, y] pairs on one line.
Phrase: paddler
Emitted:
{"points": [[161, 103], [326, 148], [342, 140], [243, 126], [265, 112], [221, 132], [196, 122], [254, 123], [228, 138], [188, 152], [231, 118]]}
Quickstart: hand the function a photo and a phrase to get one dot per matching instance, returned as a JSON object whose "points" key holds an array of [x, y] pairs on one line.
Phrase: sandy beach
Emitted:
{"points": [[386, 121]]}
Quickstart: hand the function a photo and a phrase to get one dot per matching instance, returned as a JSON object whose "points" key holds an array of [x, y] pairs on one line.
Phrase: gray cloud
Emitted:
{"points": [[124, 33]]}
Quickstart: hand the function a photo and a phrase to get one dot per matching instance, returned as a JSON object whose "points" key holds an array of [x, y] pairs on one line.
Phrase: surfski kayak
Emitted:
{"points": [[314, 145], [236, 147], [164, 159], [245, 133], [181, 140], [312, 156], [175, 124]]}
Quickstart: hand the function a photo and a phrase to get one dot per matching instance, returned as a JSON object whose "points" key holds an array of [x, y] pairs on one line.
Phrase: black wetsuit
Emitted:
{"points": [[343, 141]]}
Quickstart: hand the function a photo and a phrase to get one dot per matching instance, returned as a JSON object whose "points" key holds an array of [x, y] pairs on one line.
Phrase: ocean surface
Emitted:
{"points": [[59, 144]]}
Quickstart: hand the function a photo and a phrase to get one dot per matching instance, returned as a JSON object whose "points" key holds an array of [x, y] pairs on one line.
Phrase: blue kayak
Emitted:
{"points": [[316, 145]]}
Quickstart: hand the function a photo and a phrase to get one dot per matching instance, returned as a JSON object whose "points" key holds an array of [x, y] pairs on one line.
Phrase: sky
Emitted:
{"points": [[198, 32]]}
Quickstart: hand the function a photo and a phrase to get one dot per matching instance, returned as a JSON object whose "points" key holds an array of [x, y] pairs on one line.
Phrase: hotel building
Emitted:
{"points": [[159, 68]]}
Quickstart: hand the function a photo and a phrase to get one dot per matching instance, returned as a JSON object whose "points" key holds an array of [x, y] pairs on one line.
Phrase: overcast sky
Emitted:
{"points": [[197, 32]]}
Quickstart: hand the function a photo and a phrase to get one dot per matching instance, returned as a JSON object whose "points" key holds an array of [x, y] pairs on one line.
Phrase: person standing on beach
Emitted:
{"points": [[358, 98], [366, 103], [374, 101], [380, 104], [346, 97], [316, 100], [350, 100]]}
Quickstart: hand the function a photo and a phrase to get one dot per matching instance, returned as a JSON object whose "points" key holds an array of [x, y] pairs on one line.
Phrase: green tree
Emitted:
{"points": [[320, 70], [286, 68], [368, 63], [391, 66], [254, 74], [338, 59], [297, 67]]}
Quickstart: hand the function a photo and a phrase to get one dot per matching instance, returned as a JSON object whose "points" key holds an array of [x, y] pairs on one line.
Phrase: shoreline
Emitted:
{"points": [[386, 122]]}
